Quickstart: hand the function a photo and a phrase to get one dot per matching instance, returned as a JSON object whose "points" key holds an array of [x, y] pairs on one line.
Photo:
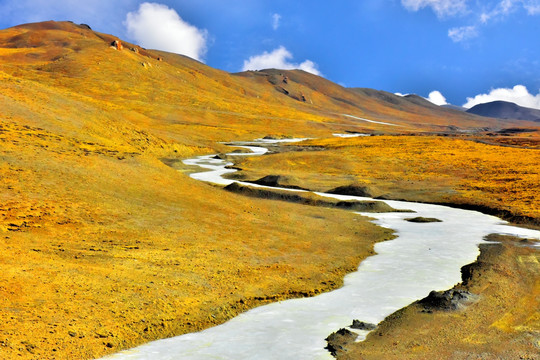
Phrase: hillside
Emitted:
{"points": [[505, 110], [180, 99]]}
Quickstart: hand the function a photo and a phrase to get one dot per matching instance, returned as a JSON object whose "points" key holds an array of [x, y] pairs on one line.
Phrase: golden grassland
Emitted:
{"points": [[104, 249], [417, 168], [59, 70], [503, 324]]}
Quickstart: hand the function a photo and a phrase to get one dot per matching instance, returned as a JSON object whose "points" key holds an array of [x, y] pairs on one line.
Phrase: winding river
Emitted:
{"points": [[424, 257]]}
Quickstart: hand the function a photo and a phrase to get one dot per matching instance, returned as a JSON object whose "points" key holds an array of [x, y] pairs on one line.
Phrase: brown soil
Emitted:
{"points": [[309, 198], [504, 323]]}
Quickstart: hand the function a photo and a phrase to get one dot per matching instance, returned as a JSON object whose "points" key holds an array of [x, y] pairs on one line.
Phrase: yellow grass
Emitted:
{"points": [[418, 168]]}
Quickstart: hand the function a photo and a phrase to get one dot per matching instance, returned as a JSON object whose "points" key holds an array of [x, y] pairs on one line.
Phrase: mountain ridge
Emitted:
{"points": [[505, 110], [147, 83]]}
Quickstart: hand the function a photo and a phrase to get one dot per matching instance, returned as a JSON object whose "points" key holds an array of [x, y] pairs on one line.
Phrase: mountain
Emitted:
{"points": [[505, 110], [177, 98]]}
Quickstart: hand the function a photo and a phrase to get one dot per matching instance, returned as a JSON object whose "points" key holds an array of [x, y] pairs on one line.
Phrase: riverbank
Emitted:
{"points": [[383, 283], [105, 248], [502, 322], [460, 172]]}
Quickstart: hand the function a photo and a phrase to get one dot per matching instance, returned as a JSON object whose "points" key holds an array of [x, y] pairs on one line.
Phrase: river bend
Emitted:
{"points": [[423, 257]]}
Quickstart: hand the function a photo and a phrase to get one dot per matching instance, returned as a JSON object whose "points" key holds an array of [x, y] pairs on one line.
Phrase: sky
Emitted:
{"points": [[462, 52]]}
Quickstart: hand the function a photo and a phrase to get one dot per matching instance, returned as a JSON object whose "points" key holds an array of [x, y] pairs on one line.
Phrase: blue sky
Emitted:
{"points": [[461, 48]]}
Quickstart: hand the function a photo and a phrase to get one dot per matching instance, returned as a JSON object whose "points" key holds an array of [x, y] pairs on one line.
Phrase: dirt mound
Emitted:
{"points": [[352, 190], [307, 198], [338, 341], [278, 181]]}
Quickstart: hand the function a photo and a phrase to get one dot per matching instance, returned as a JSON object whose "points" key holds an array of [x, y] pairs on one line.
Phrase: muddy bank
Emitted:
{"points": [[307, 198], [492, 314]]}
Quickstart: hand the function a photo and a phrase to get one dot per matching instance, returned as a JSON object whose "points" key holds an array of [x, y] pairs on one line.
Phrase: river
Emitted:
{"points": [[423, 257]]}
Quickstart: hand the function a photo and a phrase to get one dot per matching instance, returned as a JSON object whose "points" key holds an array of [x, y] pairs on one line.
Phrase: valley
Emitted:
{"points": [[106, 247]]}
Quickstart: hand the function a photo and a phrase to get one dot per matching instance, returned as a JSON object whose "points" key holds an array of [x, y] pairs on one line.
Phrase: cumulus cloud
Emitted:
{"points": [[279, 58], [518, 95], [441, 7], [276, 19], [158, 27], [463, 33], [437, 98]]}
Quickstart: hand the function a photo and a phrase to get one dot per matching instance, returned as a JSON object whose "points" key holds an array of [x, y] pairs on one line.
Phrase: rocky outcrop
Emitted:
{"points": [[449, 300], [117, 44], [338, 341], [360, 325], [420, 219]]}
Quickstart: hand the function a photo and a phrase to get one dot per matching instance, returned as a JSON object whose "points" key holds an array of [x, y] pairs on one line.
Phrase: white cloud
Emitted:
{"points": [[482, 12], [505, 7], [441, 7], [532, 7], [158, 27], [463, 33], [437, 98], [278, 59], [518, 94], [276, 18]]}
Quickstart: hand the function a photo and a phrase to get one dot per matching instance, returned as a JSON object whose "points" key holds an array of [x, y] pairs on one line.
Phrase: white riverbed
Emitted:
{"points": [[424, 257]]}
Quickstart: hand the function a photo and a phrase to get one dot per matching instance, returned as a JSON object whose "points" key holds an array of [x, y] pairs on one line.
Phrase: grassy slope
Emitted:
{"points": [[104, 247], [101, 242]]}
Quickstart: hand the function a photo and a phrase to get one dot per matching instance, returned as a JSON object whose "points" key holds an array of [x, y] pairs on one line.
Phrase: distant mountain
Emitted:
{"points": [[505, 110]]}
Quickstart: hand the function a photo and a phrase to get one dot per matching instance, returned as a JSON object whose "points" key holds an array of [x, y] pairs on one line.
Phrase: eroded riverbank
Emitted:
{"points": [[501, 322]]}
